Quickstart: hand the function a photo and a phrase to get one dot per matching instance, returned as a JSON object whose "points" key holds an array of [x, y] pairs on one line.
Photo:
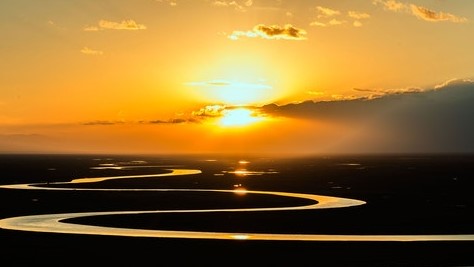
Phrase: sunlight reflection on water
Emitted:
{"points": [[54, 223]]}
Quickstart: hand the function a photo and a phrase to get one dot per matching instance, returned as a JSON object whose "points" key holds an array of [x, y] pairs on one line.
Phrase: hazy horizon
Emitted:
{"points": [[243, 76]]}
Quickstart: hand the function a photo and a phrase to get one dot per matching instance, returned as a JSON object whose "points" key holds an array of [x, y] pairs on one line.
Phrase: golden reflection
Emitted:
{"points": [[54, 223], [240, 172], [244, 172], [239, 190], [240, 237]]}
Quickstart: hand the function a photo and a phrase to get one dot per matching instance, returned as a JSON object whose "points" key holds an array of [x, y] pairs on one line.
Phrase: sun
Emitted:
{"points": [[239, 117]]}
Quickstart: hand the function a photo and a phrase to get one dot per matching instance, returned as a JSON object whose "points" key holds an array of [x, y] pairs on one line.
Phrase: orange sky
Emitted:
{"points": [[166, 76]]}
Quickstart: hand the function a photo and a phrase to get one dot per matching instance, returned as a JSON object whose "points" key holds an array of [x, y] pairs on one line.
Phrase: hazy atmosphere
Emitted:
{"points": [[229, 132], [181, 76]]}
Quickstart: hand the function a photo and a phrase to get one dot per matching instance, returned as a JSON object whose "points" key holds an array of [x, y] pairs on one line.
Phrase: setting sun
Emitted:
{"points": [[238, 117], [214, 120], [270, 76]]}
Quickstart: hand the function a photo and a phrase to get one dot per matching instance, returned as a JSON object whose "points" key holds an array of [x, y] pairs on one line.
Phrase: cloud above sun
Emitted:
{"points": [[210, 111], [273, 32]]}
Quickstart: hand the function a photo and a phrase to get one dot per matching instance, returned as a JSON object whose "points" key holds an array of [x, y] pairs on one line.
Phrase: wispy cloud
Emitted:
{"points": [[376, 93], [113, 122], [205, 114], [332, 22], [453, 82], [55, 25], [170, 121], [103, 122], [420, 12], [324, 12], [315, 93], [391, 5], [318, 23], [358, 15], [273, 32], [169, 2], [330, 17], [430, 15], [129, 24], [92, 52], [237, 5], [336, 22], [201, 115], [213, 112]]}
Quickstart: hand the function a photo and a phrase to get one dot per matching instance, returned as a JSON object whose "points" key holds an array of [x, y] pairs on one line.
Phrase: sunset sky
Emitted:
{"points": [[237, 76]]}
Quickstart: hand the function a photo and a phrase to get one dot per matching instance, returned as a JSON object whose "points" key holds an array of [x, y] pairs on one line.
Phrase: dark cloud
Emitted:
{"points": [[278, 32], [171, 121], [439, 119]]}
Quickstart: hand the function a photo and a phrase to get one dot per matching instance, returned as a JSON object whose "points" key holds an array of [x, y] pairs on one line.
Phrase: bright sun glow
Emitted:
{"points": [[238, 117], [242, 93], [235, 93]]}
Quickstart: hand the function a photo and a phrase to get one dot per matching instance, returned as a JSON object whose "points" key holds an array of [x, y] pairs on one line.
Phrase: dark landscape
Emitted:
{"points": [[237, 133], [404, 195]]}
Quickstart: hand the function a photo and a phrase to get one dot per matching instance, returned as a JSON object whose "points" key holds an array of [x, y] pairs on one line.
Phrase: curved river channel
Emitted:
{"points": [[55, 223]]}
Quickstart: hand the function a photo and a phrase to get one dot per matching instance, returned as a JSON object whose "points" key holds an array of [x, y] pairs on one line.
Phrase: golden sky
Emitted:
{"points": [[179, 76]]}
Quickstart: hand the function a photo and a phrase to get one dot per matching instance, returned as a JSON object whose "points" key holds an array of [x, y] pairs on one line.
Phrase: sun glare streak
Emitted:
{"points": [[240, 237], [240, 191], [238, 117], [240, 172]]}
